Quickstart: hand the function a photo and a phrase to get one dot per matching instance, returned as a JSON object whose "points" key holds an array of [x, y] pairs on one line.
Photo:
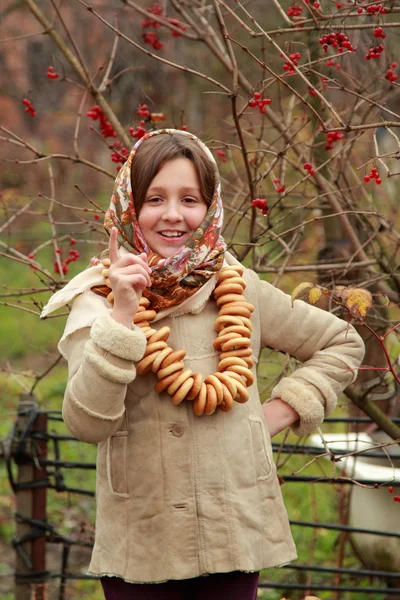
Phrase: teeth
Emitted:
{"points": [[171, 234]]}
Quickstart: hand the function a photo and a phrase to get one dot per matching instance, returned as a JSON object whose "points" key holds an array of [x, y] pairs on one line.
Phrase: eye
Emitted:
{"points": [[190, 200], [154, 199]]}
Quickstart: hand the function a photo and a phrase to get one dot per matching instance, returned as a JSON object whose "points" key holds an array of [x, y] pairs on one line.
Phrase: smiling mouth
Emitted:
{"points": [[171, 235]]}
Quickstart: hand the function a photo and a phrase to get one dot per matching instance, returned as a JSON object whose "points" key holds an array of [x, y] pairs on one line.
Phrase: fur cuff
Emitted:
{"points": [[117, 339], [303, 401], [106, 369]]}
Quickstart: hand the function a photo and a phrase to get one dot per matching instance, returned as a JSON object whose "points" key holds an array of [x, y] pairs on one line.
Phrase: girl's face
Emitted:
{"points": [[173, 208]]}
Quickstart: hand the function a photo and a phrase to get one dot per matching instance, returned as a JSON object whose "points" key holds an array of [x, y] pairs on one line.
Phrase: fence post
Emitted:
{"points": [[30, 502]]}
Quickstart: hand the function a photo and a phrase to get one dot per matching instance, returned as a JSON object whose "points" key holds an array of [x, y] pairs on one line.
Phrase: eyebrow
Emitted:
{"points": [[182, 190]]}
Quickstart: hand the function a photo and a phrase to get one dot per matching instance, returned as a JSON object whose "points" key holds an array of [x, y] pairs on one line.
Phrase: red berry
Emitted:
{"points": [[31, 255], [184, 128], [311, 171], [307, 166], [257, 95], [378, 180], [390, 489], [96, 217], [72, 241], [316, 4], [367, 179], [58, 250], [359, 10]]}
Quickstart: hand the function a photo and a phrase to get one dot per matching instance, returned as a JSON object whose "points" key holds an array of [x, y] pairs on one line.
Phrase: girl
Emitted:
{"points": [[186, 483]]}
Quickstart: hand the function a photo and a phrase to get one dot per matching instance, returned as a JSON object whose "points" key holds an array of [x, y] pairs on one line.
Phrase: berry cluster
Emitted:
{"points": [[379, 33], [29, 108], [96, 114], [308, 167], [260, 102], [375, 52], [143, 111], [73, 255], [121, 153], [333, 136], [294, 11], [390, 75], [138, 132], [374, 174], [222, 155], [293, 61], [375, 9], [51, 74], [395, 498], [278, 187], [336, 40], [261, 204], [152, 37]]}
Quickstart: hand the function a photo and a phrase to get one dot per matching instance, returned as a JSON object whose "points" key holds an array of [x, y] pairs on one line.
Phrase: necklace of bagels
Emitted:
{"points": [[233, 326]]}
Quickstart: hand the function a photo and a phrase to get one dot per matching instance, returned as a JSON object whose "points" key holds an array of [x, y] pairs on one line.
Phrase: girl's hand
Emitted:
{"points": [[129, 275], [278, 415]]}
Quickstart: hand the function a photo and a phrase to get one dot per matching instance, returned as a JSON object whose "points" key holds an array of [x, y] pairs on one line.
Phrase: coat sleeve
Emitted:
{"points": [[329, 349], [101, 364]]}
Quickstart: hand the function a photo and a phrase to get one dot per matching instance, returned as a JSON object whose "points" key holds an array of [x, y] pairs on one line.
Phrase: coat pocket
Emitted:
{"points": [[117, 464], [261, 449]]}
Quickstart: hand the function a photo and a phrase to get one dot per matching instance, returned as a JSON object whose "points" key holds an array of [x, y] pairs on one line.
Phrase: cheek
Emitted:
{"points": [[199, 217]]}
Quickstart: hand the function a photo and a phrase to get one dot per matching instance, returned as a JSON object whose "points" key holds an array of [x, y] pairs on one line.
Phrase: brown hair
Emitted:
{"points": [[152, 155]]}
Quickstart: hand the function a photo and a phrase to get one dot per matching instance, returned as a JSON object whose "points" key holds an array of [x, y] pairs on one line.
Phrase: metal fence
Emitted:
{"points": [[36, 469]]}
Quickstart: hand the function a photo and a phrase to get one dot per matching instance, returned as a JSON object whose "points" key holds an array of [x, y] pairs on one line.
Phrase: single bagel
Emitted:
{"points": [[228, 309], [176, 356], [241, 353], [234, 279], [199, 402], [198, 380], [160, 335], [227, 401], [148, 332], [227, 288], [245, 372], [247, 323], [226, 273], [164, 383], [246, 304], [110, 297], [104, 273], [237, 342], [239, 329], [140, 308], [180, 395], [144, 302], [230, 298], [144, 365], [153, 347], [229, 382], [146, 315], [106, 262], [215, 382], [222, 338], [179, 381], [250, 362], [238, 268], [142, 324], [225, 321], [231, 360], [242, 393], [176, 366], [158, 360], [211, 403]]}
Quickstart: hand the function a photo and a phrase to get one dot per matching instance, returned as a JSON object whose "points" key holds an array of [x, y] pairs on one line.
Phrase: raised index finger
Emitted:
{"points": [[113, 246]]}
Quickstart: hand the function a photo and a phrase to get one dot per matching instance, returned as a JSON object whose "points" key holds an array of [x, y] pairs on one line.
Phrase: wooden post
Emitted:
{"points": [[30, 501]]}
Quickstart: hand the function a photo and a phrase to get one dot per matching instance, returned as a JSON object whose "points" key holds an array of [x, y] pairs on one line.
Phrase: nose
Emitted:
{"points": [[172, 212]]}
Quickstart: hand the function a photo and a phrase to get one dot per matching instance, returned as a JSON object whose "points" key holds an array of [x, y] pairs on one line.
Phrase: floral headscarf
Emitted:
{"points": [[179, 276]]}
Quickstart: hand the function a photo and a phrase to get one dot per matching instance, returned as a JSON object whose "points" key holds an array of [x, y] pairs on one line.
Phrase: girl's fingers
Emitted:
{"points": [[113, 246], [132, 270]]}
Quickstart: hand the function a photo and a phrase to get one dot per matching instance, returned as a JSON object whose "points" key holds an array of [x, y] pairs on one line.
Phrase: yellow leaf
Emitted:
{"points": [[358, 301], [301, 291], [314, 295]]}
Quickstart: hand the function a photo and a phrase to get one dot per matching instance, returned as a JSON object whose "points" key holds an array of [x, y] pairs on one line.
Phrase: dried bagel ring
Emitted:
{"points": [[176, 356], [236, 279], [153, 347], [211, 403], [176, 366], [182, 392], [249, 361], [215, 382], [231, 360], [110, 297], [228, 309], [239, 329], [164, 383], [229, 382], [106, 262], [104, 273], [243, 304], [230, 298], [226, 274], [142, 324], [149, 332], [158, 360], [140, 308], [221, 339], [227, 401], [199, 403], [144, 302], [225, 321], [227, 288], [146, 315], [238, 268], [245, 372], [144, 365], [198, 380], [241, 353], [247, 323], [179, 381], [238, 342], [242, 393], [108, 283], [160, 335], [236, 376]]}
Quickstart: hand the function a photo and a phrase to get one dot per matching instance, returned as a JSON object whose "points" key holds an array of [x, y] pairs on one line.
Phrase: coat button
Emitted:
{"points": [[177, 430]]}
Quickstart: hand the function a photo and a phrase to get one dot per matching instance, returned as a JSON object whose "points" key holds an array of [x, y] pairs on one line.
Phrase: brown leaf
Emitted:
{"points": [[357, 301]]}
